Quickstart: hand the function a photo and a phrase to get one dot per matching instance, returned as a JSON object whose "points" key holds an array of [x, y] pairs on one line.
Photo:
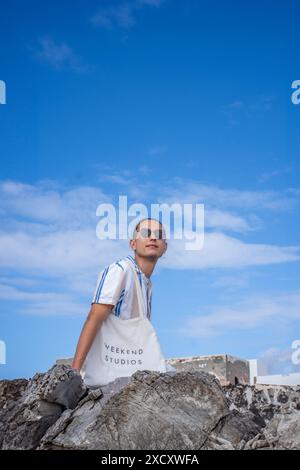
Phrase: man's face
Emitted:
{"points": [[148, 243]]}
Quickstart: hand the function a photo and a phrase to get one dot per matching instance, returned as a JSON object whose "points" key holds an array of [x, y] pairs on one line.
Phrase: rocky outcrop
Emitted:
{"points": [[11, 390], [24, 421], [150, 410], [276, 409]]}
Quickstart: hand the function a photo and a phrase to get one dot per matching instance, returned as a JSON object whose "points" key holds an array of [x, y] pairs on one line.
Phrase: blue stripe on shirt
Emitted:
{"points": [[140, 279], [101, 284], [118, 264], [118, 306], [133, 261], [148, 304]]}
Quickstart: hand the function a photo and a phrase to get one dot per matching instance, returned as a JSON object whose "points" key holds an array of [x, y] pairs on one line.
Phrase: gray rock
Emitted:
{"points": [[25, 421], [282, 432], [263, 401], [182, 410], [275, 408], [11, 390]]}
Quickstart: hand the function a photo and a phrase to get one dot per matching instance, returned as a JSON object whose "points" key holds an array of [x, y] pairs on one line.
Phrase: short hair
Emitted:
{"points": [[136, 229]]}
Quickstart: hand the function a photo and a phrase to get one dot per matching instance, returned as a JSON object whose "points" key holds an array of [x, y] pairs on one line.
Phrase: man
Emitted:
{"points": [[115, 291]]}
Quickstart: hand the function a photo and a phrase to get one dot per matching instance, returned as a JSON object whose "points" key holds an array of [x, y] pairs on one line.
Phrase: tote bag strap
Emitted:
{"points": [[140, 297]]}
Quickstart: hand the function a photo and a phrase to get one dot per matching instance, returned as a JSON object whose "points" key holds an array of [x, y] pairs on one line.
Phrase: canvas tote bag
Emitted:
{"points": [[121, 347]]}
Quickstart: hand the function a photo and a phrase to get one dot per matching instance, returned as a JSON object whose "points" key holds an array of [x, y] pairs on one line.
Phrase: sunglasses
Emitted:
{"points": [[158, 233]]}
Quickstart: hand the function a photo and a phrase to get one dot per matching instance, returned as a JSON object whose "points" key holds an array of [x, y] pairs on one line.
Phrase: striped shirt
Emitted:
{"points": [[116, 286]]}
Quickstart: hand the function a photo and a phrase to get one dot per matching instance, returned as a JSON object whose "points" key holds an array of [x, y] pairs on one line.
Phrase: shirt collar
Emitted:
{"points": [[138, 269]]}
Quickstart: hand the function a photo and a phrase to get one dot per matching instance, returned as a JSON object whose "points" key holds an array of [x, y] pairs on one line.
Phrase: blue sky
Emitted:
{"points": [[162, 101]]}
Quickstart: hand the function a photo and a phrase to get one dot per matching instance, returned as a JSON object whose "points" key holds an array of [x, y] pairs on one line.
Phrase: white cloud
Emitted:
{"points": [[49, 231], [123, 14], [62, 253], [157, 150], [225, 220], [46, 202], [58, 55], [52, 229], [238, 110], [267, 175], [232, 283], [42, 303], [124, 177], [145, 169], [221, 250], [254, 312], [277, 361], [191, 191], [118, 179]]}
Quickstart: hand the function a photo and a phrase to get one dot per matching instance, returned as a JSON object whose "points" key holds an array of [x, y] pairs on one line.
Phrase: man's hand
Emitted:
{"points": [[97, 314]]}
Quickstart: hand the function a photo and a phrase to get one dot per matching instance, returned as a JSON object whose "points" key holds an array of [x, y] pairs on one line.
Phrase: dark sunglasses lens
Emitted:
{"points": [[145, 232], [159, 234]]}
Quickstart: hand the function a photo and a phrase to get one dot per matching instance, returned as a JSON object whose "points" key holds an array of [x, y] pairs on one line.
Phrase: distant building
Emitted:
{"points": [[228, 369], [259, 375]]}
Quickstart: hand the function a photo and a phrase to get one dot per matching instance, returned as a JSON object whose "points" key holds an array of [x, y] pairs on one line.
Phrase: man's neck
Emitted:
{"points": [[146, 265]]}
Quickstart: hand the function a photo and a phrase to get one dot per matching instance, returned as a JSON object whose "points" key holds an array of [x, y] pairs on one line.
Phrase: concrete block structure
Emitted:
{"points": [[228, 369]]}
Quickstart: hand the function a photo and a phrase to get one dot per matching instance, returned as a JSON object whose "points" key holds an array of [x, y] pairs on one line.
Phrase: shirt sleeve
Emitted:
{"points": [[110, 283]]}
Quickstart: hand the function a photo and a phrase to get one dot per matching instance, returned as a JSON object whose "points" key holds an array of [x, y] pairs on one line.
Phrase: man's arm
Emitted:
{"points": [[97, 314]]}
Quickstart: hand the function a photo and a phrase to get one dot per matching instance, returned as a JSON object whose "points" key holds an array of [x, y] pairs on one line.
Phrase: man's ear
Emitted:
{"points": [[166, 247], [133, 244]]}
